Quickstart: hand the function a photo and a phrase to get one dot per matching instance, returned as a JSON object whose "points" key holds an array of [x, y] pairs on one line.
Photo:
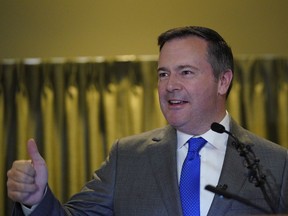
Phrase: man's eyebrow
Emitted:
{"points": [[162, 69], [186, 66], [179, 67]]}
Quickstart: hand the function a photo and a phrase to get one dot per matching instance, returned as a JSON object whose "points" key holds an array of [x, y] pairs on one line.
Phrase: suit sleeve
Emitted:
{"points": [[283, 202], [96, 197]]}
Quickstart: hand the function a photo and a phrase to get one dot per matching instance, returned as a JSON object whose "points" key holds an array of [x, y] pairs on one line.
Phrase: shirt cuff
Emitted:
{"points": [[27, 211]]}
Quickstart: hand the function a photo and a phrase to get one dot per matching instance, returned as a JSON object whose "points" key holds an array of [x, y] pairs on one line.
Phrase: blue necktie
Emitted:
{"points": [[190, 178]]}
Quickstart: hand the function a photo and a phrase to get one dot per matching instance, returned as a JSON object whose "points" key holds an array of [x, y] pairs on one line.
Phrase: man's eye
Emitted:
{"points": [[162, 74], [186, 72]]}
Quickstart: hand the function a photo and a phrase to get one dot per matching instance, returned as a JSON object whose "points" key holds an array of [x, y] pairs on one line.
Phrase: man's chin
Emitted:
{"points": [[175, 124]]}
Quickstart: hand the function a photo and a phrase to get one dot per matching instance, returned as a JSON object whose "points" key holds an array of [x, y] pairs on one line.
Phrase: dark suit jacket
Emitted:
{"points": [[139, 178]]}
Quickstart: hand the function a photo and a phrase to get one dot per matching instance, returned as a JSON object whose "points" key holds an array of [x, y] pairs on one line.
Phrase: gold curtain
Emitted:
{"points": [[76, 108]]}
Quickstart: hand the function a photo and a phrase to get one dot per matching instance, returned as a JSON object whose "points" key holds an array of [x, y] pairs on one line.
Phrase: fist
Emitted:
{"points": [[27, 179]]}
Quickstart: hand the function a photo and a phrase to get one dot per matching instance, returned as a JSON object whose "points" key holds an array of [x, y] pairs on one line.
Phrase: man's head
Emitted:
{"points": [[220, 55], [194, 78]]}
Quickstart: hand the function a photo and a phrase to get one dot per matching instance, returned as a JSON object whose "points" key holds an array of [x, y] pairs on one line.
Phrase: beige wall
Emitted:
{"points": [[50, 28]]}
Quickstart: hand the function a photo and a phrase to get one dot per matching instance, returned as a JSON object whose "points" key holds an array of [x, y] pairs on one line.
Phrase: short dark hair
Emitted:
{"points": [[220, 55]]}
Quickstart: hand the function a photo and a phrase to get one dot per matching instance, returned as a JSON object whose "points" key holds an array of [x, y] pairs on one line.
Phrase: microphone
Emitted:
{"points": [[252, 164], [216, 127], [228, 195]]}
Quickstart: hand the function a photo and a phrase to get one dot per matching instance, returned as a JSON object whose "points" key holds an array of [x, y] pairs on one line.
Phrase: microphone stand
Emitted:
{"points": [[228, 195], [252, 163]]}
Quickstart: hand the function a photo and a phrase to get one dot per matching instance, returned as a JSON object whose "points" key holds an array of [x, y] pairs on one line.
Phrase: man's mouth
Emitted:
{"points": [[177, 102]]}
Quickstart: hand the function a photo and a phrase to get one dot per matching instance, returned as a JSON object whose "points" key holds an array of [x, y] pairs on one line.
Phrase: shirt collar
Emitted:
{"points": [[215, 139]]}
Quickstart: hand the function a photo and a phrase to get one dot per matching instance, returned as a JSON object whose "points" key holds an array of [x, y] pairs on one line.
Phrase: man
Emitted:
{"points": [[143, 173]]}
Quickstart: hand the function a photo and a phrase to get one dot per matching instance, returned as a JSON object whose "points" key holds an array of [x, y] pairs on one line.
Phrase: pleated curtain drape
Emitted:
{"points": [[76, 108]]}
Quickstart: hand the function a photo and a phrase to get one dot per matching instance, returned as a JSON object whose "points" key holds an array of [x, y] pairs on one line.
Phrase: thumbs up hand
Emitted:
{"points": [[27, 179]]}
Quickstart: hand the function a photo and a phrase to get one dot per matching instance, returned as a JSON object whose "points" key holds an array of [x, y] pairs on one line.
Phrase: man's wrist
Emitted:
{"points": [[27, 209]]}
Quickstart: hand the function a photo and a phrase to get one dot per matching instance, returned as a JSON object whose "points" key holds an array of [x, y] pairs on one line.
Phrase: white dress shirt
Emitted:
{"points": [[212, 157]]}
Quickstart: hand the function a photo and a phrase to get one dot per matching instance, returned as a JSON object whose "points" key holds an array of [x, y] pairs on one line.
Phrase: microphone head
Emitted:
{"points": [[217, 127]]}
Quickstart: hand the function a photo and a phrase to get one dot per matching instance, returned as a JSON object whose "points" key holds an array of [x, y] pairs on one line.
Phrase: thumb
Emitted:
{"points": [[33, 151]]}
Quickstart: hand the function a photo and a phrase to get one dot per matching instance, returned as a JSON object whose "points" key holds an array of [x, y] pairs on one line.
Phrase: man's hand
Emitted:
{"points": [[27, 179]]}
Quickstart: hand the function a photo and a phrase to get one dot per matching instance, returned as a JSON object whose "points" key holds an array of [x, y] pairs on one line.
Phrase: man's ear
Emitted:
{"points": [[224, 82]]}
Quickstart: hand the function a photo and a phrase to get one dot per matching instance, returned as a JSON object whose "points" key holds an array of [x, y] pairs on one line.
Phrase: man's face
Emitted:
{"points": [[188, 90]]}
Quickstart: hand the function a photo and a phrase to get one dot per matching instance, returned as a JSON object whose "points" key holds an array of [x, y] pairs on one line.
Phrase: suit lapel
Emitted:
{"points": [[232, 174], [162, 154]]}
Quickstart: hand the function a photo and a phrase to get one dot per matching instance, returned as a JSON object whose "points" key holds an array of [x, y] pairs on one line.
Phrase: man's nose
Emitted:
{"points": [[173, 83]]}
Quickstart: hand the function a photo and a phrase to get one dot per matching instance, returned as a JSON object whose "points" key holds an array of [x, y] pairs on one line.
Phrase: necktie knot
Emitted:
{"points": [[195, 145]]}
